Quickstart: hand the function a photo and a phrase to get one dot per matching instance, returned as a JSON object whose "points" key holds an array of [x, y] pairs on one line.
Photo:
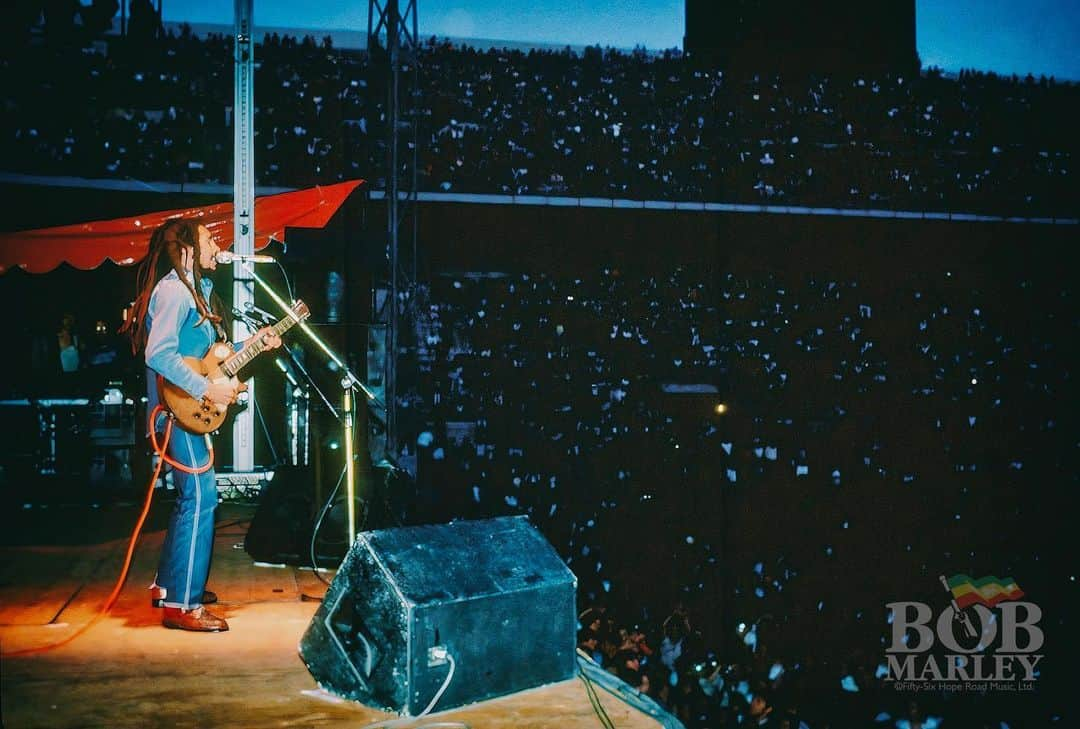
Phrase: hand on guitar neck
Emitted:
{"points": [[270, 338], [225, 392]]}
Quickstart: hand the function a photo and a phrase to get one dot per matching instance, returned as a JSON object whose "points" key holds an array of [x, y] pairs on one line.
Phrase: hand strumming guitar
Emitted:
{"points": [[223, 393]]}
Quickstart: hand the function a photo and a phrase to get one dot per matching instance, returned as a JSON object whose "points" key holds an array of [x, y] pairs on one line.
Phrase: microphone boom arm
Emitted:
{"points": [[349, 384], [349, 380]]}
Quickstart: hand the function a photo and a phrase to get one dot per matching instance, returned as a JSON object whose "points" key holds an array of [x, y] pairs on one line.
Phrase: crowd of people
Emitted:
{"points": [[585, 401], [673, 429], [601, 123], [750, 686]]}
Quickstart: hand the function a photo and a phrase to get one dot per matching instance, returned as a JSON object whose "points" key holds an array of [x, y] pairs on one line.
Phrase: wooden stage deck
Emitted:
{"points": [[57, 566]]}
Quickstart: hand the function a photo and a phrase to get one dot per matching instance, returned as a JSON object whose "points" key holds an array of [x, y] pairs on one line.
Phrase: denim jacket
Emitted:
{"points": [[172, 334]]}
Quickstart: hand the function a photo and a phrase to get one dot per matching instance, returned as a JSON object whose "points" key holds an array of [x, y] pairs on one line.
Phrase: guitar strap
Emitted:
{"points": [[222, 336]]}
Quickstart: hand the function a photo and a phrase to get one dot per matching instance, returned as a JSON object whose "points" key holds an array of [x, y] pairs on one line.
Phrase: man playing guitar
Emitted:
{"points": [[176, 314]]}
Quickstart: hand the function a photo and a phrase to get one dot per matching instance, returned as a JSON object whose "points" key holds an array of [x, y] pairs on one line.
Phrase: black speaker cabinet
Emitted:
{"points": [[280, 531], [491, 595]]}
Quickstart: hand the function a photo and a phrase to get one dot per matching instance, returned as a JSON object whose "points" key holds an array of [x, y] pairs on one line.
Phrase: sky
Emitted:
{"points": [[1007, 36]]}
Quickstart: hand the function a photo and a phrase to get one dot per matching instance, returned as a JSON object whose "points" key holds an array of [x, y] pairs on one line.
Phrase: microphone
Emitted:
{"points": [[266, 316], [229, 257]]}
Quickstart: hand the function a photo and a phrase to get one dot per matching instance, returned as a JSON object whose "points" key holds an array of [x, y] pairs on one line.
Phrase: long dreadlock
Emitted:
{"points": [[166, 254]]}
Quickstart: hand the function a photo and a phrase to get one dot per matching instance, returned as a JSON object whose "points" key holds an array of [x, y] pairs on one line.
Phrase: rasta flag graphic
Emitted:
{"points": [[988, 591]]}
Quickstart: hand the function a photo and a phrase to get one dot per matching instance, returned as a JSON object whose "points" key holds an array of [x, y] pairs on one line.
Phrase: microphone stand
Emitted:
{"points": [[254, 325], [350, 384], [311, 381]]}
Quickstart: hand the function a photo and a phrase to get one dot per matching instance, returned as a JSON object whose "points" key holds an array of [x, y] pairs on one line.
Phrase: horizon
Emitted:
{"points": [[203, 27], [1007, 37]]}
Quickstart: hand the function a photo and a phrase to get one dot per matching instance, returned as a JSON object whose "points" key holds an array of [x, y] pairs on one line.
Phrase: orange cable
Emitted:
{"points": [[163, 458]]}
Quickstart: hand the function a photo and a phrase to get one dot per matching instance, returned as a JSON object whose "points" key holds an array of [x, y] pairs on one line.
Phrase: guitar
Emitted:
{"points": [[220, 364]]}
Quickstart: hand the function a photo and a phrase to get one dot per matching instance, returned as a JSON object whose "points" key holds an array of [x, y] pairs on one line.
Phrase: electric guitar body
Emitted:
{"points": [[197, 416], [220, 364]]}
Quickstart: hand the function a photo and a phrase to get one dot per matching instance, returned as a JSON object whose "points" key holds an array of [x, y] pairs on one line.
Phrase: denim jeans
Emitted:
{"points": [[185, 556]]}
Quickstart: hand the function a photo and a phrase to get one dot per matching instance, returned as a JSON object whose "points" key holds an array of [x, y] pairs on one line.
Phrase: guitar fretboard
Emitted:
{"points": [[256, 346]]}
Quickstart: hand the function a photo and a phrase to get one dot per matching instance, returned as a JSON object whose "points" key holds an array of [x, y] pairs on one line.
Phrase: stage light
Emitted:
{"points": [[720, 408]]}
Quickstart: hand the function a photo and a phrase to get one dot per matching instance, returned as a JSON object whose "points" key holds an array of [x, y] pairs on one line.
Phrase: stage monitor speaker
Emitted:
{"points": [[280, 531], [489, 601]]}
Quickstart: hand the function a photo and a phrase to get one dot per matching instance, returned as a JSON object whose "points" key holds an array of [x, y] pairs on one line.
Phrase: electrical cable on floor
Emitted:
{"points": [[408, 721], [442, 689], [318, 525], [597, 707], [594, 699], [111, 600]]}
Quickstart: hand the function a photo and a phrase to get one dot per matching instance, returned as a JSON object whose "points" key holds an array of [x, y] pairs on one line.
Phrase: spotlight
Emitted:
{"points": [[720, 408]]}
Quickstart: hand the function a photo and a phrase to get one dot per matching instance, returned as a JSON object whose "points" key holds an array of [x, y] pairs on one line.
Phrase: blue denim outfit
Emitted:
{"points": [[185, 556]]}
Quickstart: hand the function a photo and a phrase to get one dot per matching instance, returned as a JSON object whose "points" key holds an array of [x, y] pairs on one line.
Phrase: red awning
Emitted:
{"points": [[125, 241]]}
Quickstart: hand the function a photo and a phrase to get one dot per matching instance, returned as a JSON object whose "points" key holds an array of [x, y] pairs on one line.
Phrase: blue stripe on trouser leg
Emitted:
{"points": [[185, 556]]}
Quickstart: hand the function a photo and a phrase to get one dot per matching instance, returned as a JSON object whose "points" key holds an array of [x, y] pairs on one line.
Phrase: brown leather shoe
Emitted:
{"points": [[199, 619], [157, 597]]}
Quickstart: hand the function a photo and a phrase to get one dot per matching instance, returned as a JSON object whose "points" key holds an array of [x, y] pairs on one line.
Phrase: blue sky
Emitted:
{"points": [[1010, 36]]}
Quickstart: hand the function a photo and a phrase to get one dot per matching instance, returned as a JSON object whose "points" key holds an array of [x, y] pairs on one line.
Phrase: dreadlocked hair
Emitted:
{"points": [[166, 254]]}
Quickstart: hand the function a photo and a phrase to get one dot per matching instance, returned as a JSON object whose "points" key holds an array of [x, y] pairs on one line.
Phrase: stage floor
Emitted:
{"points": [[58, 564]]}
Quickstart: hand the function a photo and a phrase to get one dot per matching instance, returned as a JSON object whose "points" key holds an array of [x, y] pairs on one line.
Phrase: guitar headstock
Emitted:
{"points": [[300, 310]]}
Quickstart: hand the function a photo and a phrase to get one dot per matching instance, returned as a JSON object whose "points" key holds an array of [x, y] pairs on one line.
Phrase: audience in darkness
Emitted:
{"points": [[550, 394], [604, 123]]}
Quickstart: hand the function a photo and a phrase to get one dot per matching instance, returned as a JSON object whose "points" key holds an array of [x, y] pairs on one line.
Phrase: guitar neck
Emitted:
{"points": [[255, 347]]}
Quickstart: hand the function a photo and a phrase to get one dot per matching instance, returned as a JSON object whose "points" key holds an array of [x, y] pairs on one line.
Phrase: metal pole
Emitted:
{"points": [[400, 46], [393, 48], [243, 430], [414, 105]]}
